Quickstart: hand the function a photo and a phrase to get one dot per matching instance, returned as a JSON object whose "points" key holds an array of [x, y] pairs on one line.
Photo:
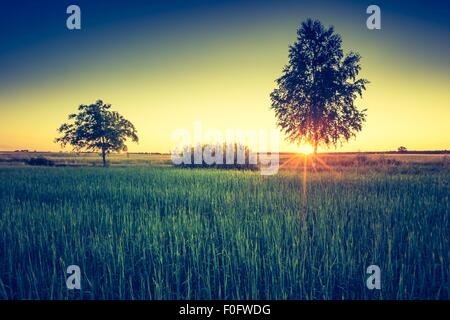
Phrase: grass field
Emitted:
{"points": [[156, 232]]}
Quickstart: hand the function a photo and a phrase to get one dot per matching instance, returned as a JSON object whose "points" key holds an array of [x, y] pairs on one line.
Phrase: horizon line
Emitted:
{"points": [[438, 151]]}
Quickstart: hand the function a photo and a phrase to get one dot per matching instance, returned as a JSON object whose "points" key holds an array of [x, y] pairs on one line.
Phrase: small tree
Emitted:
{"points": [[96, 128], [314, 100], [402, 149]]}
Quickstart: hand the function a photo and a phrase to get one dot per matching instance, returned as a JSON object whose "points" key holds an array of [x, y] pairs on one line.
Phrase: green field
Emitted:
{"points": [[155, 232]]}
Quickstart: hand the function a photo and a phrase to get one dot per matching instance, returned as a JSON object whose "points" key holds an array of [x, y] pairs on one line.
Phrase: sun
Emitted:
{"points": [[306, 149]]}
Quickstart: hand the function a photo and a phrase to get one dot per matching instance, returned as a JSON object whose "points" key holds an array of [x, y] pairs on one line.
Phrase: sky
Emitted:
{"points": [[166, 65]]}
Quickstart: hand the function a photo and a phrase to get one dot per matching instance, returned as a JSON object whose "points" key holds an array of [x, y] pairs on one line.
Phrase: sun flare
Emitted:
{"points": [[306, 149]]}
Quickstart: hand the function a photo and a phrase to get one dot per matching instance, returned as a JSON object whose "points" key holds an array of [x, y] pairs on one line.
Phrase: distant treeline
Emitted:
{"points": [[393, 152]]}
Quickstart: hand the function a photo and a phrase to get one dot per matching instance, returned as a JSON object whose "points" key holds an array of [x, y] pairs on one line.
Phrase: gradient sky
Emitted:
{"points": [[166, 64]]}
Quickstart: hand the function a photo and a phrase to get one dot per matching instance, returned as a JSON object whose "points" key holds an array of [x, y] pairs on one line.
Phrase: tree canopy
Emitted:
{"points": [[96, 128], [314, 101]]}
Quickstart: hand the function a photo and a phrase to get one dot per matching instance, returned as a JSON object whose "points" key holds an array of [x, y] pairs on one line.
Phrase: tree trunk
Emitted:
{"points": [[104, 157], [315, 142], [315, 139], [313, 159]]}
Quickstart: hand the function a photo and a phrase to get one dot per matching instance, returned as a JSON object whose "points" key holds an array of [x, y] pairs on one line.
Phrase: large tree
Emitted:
{"points": [[315, 97], [96, 128]]}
